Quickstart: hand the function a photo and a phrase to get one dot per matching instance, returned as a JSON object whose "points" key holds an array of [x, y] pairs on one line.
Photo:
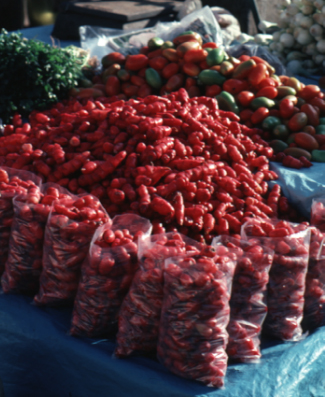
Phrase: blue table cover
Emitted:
{"points": [[38, 358], [301, 186]]}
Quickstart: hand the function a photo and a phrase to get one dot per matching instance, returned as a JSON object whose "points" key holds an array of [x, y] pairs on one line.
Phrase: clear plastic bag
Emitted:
{"points": [[259, 51], [314, 309], [317, 214], [287, 277], [139, 317], [102, 41], [248, 296], [107, 274], [12, 183], [195, 314], [201, 21], [71, 225], [24, 263]]}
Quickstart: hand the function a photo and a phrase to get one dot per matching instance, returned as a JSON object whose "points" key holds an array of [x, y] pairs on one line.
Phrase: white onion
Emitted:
{"points": [[307, 10], [306, 22], [319, 18], [287, 40], [316, 30], [276, 35], [319, 59], [310, 49], [292, 9], [319, 4], [321, 46], [304, 37]]}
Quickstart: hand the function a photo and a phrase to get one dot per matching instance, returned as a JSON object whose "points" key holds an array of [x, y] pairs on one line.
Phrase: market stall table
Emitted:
{"points": [[40, 358]]}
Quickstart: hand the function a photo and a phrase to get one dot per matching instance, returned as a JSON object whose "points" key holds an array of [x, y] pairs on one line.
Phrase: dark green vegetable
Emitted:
{"points": [[34, 75]]}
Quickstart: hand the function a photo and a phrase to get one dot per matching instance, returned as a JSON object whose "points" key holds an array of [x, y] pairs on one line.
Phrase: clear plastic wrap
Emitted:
{"points": [[314, 310], [24, 264], [287, 277], [139, 317], [248, 296], [12, 183], [71, 225], [102, 41], [107, 274], [317, 213], [195, 314]]}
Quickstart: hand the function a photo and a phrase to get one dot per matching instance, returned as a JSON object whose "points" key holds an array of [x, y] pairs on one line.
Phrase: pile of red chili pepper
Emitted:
{"points": [[178, 161]]}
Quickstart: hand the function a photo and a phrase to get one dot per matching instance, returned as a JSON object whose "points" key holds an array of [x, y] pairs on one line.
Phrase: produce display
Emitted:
{"points": [[71, 224], [248, 296], [195, 313], [286, 287], [143, 199], [24, 264], [107, 274], [139, 317]]}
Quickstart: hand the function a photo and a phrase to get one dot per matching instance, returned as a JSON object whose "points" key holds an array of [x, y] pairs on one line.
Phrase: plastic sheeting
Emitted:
{"points": [[38, 358], [301, 186]]}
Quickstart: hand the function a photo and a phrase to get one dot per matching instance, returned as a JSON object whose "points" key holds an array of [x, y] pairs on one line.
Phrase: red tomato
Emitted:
{"points": [[286, 108], [246, 114], [203, 65], [310, 130], [142, 72], [155, 53], [268, 92], [144, 90], [245, 98], [175, 82], [169, 70], [158, 63], [137, 80], [136, 62], [129, 90], [144, 50], [259, 115], [189, 82], [191, 69], [320, 103], [194, 91], [298, 121], [274, 113], [312, 113], [309, 92], [234, 86], [257, 75], [112, 86], [212, 90], [195, 55], [267, 82], [211, 44], [244, 58], [170, 54]]}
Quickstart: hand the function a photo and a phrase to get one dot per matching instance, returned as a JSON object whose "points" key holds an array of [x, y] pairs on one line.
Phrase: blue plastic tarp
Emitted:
{"points": [[301, 186], [39, 358]]}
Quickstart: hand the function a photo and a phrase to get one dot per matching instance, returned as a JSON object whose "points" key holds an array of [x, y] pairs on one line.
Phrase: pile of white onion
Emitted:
{"points": [[299, 41]]}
